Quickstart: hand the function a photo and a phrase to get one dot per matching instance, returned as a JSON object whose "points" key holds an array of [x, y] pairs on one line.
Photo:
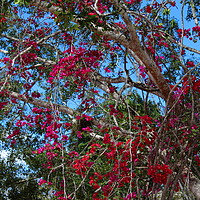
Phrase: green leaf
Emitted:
{"points": [[173, 23], [49, 5], [166, 11]]}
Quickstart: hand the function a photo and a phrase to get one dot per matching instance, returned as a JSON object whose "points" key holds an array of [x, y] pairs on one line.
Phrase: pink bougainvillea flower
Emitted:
{"points": [[41, 181]]}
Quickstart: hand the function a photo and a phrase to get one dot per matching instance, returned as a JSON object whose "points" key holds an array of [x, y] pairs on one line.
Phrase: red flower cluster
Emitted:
{"points": [[2, 19], [196, 29], [82, 165], [148, 9], [197, 159], [185, 32], [15, 132], [190, 64], [28, 58], [159, 173], [2, 104]]}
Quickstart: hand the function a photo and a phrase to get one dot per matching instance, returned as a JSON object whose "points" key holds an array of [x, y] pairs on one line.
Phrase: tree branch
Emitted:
{"points": [[44, 6], [3, 51], [64, 109], [40, 103], [133, 44]]}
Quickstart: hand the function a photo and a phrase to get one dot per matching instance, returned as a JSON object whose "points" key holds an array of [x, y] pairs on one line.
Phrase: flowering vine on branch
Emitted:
{"points": [[101, 98]]}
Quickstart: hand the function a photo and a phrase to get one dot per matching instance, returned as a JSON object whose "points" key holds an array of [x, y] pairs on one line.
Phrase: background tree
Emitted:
{"points": [[105, 94]]}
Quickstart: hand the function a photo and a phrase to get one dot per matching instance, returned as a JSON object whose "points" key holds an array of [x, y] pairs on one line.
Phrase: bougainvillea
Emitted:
{"points": [[159, 173], [101, 98]]}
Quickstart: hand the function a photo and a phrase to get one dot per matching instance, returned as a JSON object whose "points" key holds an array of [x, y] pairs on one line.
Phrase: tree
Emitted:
{"points": [[105, 94]]}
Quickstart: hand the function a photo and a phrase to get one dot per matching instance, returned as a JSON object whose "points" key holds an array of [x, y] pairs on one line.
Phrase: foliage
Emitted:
{"points": [[100, 99]]}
